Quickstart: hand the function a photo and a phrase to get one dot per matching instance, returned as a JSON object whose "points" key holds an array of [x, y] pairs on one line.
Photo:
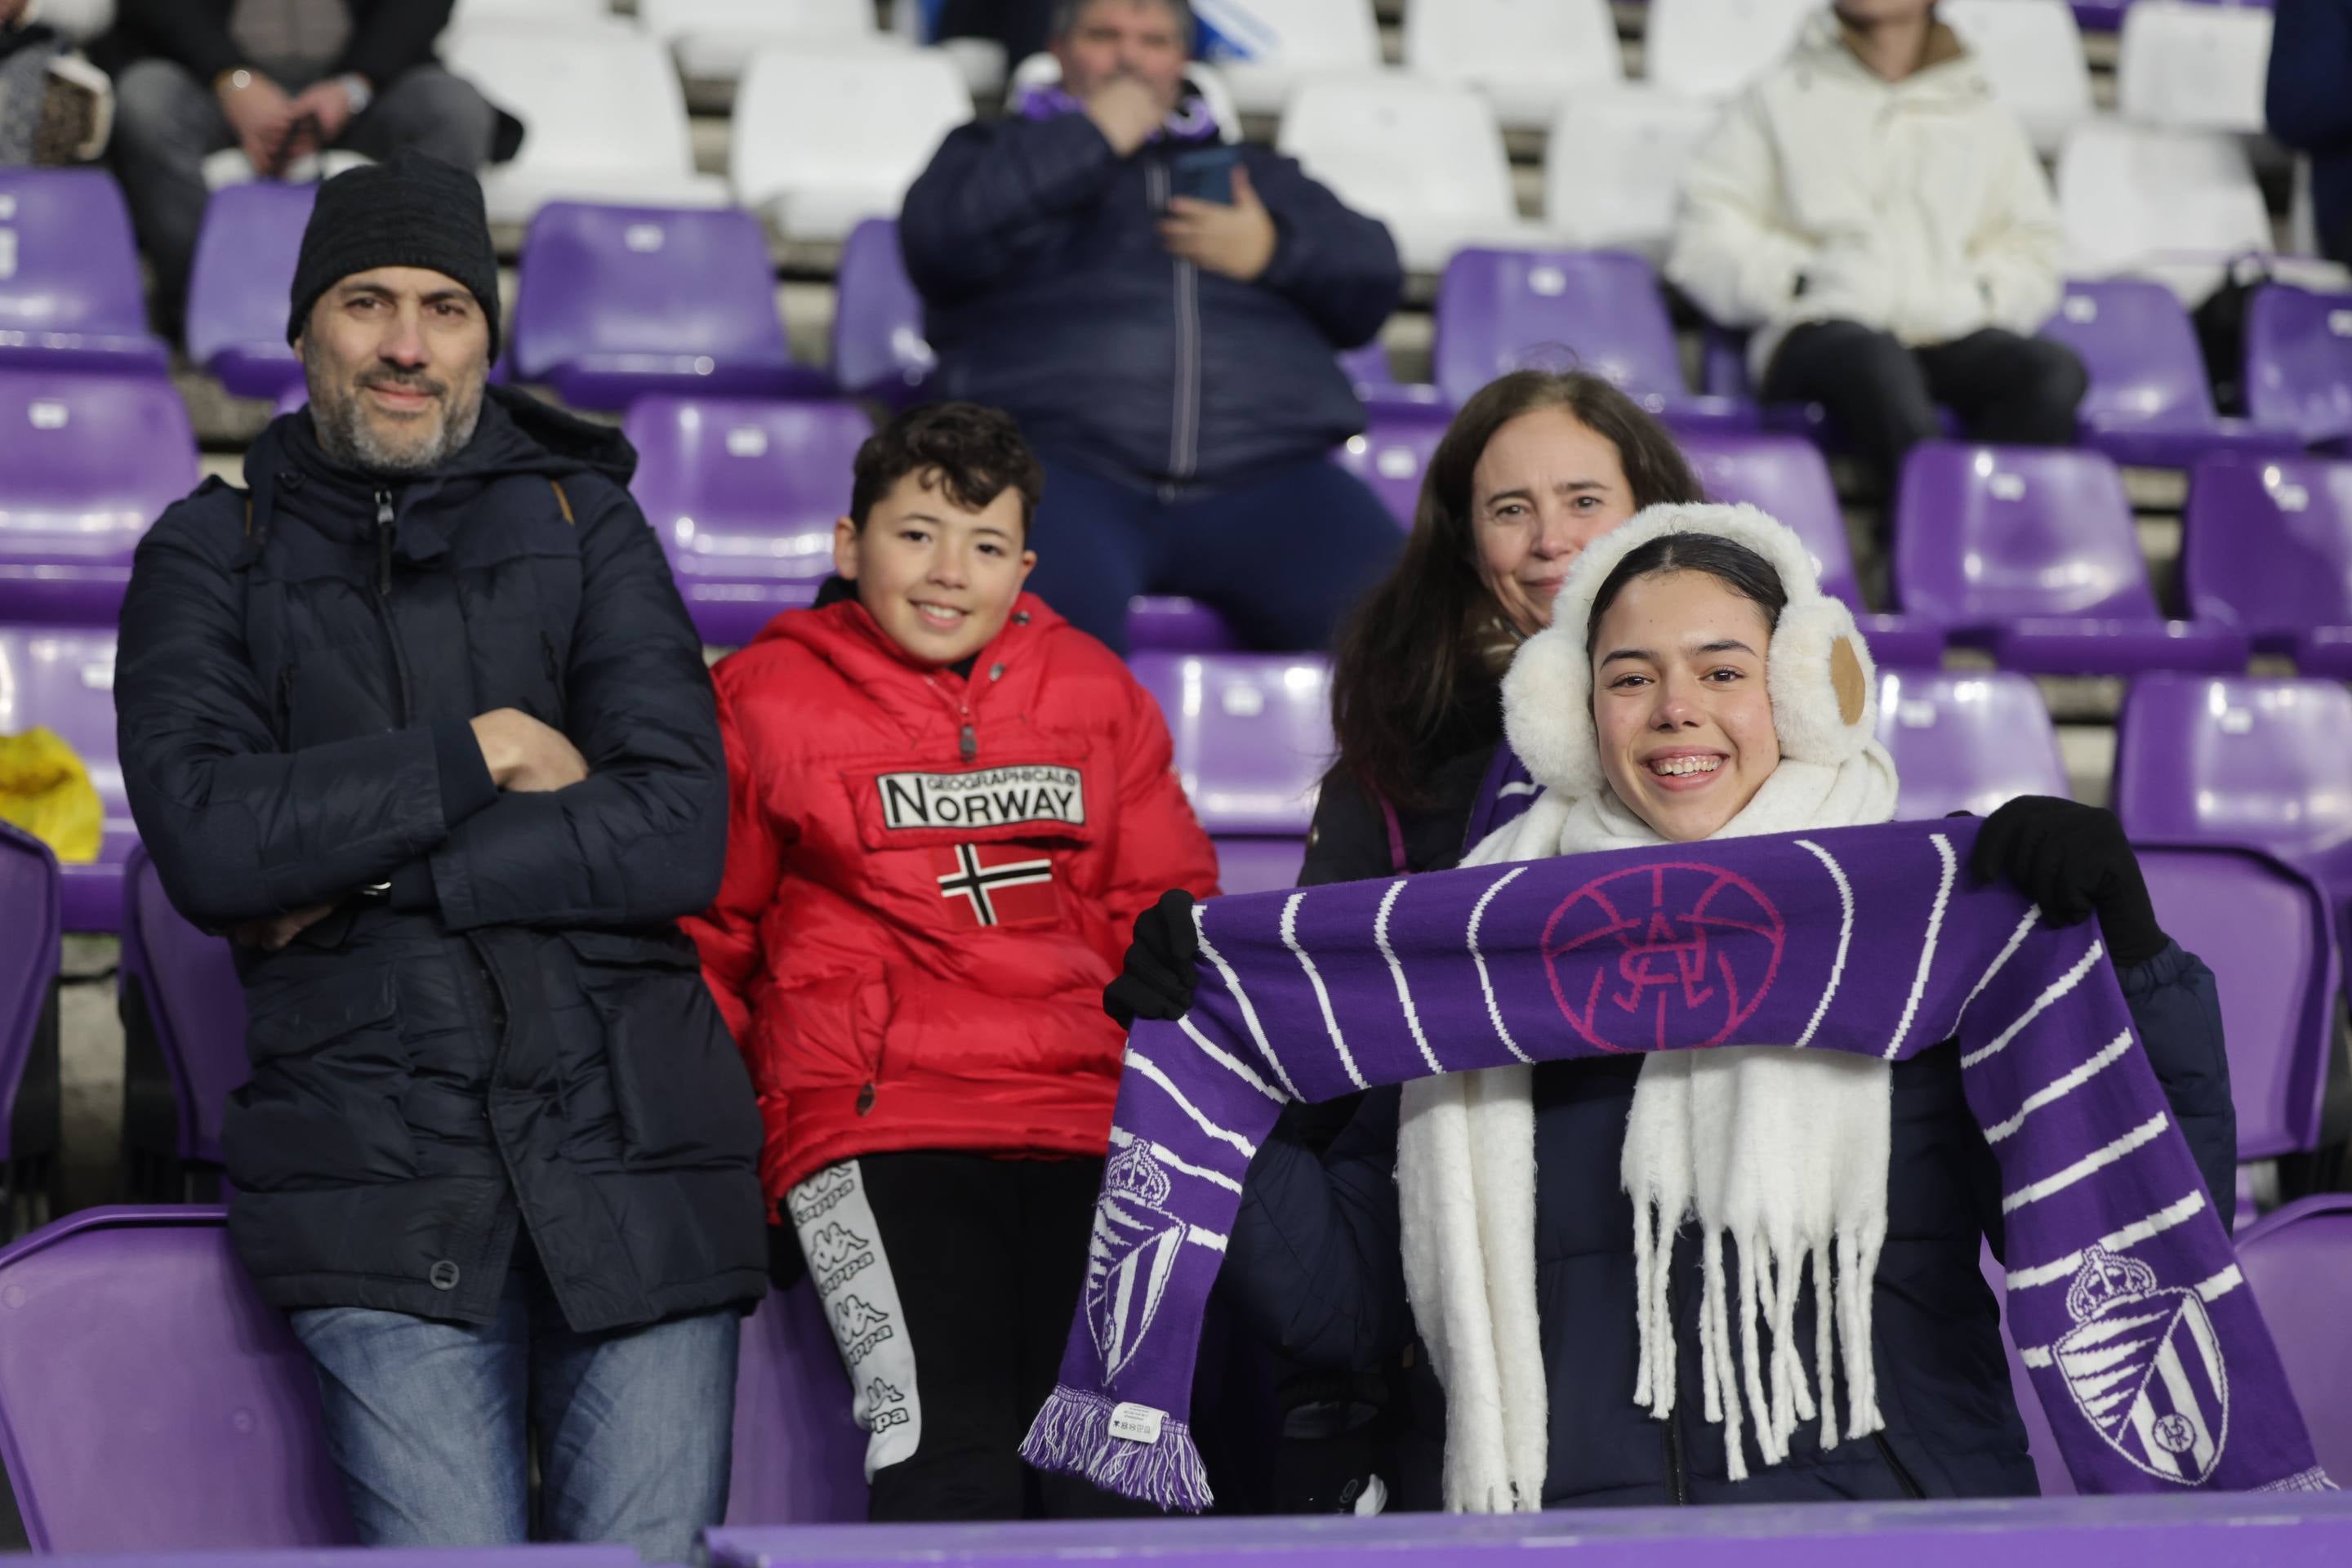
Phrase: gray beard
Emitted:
{"points": [[345, 436]]}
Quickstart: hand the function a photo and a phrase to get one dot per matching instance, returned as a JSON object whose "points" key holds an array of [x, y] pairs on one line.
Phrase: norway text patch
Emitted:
{"points": [[991, 797]]}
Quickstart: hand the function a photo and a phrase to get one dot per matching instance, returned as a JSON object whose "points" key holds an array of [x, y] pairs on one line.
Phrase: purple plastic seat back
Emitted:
{"points": [[69, 288], [2134, 341], [30, 961], [2299, 1263], [1788, 478], [1173, 624], [1599, 310], [1259, 865], [2267, 546], [879, 347], [1253, 735], [617, 299], [88, 462], [238, 288], [62, 679], [800, 1458], [1967, 739], [2237, 760], [194, 1002], [1986, 534], [2262, 927], [137, 1346], [2299, 361], [1392, 454], [744, 496]]}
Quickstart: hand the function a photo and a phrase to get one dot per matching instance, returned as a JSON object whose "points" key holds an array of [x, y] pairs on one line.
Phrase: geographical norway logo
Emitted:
{"points": [[837, 1255], [992, 798], [1130, 1255], [1658, 953], [2145, 1368]]}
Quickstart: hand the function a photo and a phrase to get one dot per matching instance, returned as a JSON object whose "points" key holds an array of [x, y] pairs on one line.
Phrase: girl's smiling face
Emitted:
{"points": [[1679, 702]]}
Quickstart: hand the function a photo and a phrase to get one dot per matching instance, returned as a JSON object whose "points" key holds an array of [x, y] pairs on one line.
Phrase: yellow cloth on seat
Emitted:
{"points": [[44, 789]]}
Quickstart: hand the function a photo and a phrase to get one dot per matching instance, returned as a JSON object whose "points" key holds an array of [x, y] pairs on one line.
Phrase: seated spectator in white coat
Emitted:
{"points": [[1881, 222]]}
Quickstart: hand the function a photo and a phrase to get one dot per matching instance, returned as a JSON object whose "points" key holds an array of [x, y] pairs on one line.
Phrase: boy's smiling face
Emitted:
{"points": [[940, 577]]}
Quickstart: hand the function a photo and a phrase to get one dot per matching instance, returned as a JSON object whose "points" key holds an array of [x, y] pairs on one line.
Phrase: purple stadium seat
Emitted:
{"points": [[1376, 384], [2149, 404], [1170, 623], [91, 461], [2238, 760], [617, 303], [237, 291], [1393, 453], [2299, 363], [1597, 310], [2031, 551], [2299, 1264], [1966, 741], [183, 1018], [878, 349], [2267, 548], [2262, 926], [799, 1456], [137, 1346], [62, 678], [69, 288], [744, 496], [1253, 735], [29, 965]]}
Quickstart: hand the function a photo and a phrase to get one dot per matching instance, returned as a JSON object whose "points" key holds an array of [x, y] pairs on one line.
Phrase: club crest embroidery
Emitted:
{"points": [[1636, 952], [2145, 1367], [996, 885], [1130, 1255]]}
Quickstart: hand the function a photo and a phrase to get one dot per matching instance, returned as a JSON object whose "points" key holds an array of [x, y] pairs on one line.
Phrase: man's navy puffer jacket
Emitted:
{"points": [[1037, 251], [516, 1042]]}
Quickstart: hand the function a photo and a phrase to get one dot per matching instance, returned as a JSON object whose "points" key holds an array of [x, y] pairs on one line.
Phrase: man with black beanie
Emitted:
{"points": [[417, 718]]}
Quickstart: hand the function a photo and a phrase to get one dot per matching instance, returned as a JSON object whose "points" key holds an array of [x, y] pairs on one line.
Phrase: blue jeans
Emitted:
{"points": [[1283, 558], [431, 1424]]}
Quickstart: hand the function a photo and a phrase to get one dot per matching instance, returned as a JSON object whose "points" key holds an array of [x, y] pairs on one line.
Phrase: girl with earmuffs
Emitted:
{"points": [[1693, 683]]}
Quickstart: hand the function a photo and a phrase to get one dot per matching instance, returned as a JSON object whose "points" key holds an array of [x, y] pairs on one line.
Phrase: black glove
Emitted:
{"points": [[1163, 963], [786, 1267], [2073, 861]]}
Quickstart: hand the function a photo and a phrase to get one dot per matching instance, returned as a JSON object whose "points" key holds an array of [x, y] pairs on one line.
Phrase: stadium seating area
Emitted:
{"points": [[646, 288]]}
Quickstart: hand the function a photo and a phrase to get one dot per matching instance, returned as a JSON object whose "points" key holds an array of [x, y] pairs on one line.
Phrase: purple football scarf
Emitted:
{"points": [[2145, 1345]]}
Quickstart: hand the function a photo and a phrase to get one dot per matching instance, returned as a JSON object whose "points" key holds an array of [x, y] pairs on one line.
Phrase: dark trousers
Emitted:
{"points": [[2005, 388], [167, 123], [951, 1281], [1284, 558]]}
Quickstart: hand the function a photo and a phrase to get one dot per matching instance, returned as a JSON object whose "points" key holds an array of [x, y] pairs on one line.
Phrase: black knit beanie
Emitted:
{"points": [[412, 210]]}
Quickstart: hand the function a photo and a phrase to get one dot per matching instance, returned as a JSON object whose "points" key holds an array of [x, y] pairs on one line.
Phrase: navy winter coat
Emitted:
{"points": [[1037, 251], [511, 1035], [1315, 1264], [2308, 106]]}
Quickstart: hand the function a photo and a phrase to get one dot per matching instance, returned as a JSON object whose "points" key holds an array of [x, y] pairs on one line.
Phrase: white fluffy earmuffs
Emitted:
{"points": [[1823, 686]]}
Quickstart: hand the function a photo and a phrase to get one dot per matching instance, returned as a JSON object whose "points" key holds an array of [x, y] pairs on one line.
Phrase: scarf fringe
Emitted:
{"points": [[1072, 1434], [1762, 1382]]}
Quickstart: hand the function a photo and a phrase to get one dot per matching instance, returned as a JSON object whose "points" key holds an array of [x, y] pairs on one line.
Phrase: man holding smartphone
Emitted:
{"points": [[1162, 312]]}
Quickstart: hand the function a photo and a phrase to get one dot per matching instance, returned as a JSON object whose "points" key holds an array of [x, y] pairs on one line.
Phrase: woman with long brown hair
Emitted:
{"points": [[1534, 466]]}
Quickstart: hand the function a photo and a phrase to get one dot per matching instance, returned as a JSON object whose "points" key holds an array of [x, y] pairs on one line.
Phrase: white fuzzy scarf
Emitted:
{"points": [[1786, 1154]]}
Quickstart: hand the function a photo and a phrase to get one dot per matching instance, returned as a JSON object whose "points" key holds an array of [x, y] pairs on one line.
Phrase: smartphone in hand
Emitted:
{"points": [[1205, 174]]}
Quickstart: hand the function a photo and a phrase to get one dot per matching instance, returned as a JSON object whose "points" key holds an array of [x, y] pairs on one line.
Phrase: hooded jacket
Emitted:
{"points": [[930, 879], [499, 1029], [1827, 193], [1048, 293]]}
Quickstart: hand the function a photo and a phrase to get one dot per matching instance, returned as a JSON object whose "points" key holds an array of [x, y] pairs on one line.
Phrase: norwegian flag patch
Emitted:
{"points": [[996, 884]]}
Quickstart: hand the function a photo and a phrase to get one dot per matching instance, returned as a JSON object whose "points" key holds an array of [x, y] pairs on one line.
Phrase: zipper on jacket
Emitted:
{"points": [[1184, 420], [383, 603], [968, 736], [384, 543], [1902, 1477], [554, 676]]}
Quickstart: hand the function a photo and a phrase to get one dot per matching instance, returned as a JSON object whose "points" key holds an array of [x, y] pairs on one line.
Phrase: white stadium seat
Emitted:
{"points": [[2149, 202], [716, 38], [1426, 160], [1617, 165], [528, 13], [1265, 47], [1712, 48], [607, 118], [1528, 57], [2194, 65], [2032, 52], [826, 138]]}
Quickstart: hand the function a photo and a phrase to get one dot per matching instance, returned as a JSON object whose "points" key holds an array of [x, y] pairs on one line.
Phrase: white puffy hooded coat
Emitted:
{"points": [[1917, 207]]}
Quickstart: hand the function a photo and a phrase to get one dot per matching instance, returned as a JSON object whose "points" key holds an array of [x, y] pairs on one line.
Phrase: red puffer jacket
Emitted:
{"points": [[929, 881]]}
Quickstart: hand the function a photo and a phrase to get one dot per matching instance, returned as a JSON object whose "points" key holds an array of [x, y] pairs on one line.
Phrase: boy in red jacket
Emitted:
{"points": [[947, 807]]}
